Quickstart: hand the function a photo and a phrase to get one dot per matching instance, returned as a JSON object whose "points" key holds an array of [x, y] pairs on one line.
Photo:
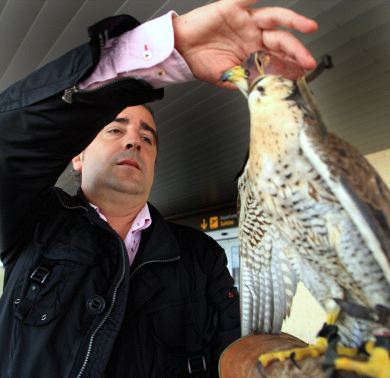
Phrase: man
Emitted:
{"points": [[99, 284], [187, 321], [117, 168]]}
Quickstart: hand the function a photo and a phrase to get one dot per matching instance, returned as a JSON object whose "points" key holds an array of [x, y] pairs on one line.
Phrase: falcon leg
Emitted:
{"points": [[378, 363]]}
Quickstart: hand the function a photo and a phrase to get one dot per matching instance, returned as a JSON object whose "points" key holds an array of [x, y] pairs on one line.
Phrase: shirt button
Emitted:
{"points": [[147, 54]]}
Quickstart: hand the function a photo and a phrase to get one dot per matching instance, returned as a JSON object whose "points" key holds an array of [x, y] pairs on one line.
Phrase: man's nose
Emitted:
{"points": [[133, 145]]}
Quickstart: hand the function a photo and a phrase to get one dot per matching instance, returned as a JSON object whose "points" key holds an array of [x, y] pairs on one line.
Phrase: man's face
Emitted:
{"points": [[122, 156]]}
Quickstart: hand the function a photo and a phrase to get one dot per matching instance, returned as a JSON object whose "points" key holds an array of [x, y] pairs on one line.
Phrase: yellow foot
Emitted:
{"points": [[298, 353], [313, 350], [377, 365]]}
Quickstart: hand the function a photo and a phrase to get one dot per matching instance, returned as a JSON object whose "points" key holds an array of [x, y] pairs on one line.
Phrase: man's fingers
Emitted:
{"points": [[274, 17], [285, 43]]}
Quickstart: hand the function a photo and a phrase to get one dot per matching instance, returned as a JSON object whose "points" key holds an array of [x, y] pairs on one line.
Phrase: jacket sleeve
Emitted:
{"points": [[223, 296], [40, 132]]}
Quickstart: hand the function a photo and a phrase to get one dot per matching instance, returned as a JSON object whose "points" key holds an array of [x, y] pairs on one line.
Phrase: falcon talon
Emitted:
{"points": [[294, 361], [260, 369]]}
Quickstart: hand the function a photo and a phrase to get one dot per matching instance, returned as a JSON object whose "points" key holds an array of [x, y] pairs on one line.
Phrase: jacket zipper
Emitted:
{"points": [[69, 92], [92, 338]]}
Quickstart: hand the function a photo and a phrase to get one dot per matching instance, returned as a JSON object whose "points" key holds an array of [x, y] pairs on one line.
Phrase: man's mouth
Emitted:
{"points": [[129, 162]]}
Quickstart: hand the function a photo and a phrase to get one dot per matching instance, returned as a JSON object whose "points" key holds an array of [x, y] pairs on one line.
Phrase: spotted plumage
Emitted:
{"points": [[311, 209]]}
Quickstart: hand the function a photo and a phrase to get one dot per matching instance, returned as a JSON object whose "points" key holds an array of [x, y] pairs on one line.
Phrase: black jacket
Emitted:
{"points": [[71, 305]]}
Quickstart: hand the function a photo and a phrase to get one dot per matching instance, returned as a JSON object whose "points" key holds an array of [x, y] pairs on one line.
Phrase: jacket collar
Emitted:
{"points": [[157, 242], [72, 202]]}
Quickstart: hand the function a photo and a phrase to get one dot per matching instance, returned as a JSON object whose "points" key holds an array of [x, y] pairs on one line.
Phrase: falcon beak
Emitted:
{"points": [[239, 77]]}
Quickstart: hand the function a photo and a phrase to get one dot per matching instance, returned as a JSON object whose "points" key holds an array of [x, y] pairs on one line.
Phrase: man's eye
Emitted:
{"points": [[147, 139], [114, 131]]}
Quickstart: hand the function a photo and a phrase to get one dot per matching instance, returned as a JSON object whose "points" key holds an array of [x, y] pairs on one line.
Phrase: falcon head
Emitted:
{"points": [[263, 89], [258, 65]]}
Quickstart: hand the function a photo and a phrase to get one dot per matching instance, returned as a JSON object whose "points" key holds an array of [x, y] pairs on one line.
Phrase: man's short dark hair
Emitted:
{"points": [[147, 106], [150, 109]]}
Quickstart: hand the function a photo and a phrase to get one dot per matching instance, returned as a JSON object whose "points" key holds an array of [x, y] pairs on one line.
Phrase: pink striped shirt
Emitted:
{"points": [[146, 52], [142, 221]]}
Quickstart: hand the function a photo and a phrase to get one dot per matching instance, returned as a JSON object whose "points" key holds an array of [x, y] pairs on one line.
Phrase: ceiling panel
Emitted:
{"points": [[140, 9], [16, 19], [46, 28], [177, 5], [75, 32]]}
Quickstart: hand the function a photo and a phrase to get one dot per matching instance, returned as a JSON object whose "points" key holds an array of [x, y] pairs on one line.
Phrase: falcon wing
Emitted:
{"points": [[355, 183], [268, 280]]}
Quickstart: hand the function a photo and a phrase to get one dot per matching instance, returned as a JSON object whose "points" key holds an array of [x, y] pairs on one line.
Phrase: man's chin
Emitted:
{"points": [[131, 188]]}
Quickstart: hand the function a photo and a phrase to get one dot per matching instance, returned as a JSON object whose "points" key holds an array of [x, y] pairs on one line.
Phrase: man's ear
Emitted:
{"points": [[77, 163]]}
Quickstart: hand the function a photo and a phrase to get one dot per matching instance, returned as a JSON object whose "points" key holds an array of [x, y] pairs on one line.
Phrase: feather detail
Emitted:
{"points": [[268, 281], [367, 201], [267, 293]]}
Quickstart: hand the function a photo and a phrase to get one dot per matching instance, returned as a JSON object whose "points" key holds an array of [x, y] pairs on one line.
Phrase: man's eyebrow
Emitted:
{"points": [[121, 120], [146, 127]]}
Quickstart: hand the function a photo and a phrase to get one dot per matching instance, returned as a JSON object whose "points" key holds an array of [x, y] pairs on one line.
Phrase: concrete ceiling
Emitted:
{"points": [[204, 130]]}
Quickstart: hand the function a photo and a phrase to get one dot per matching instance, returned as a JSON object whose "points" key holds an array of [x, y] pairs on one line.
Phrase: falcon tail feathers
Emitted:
{"points": [[266, 296]]}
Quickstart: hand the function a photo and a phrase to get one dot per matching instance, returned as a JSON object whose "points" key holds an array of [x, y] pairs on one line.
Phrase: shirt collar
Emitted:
{"points": [[142, 220]]}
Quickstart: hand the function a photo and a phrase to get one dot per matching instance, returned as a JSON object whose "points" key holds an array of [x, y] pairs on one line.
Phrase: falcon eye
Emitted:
{"points": [[260, 89]]}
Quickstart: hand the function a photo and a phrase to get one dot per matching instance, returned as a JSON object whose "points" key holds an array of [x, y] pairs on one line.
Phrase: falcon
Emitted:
{"points": [[311, 209]]}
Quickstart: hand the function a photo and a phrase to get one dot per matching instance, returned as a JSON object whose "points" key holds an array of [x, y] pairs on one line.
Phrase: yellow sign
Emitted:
{"points": [[214, 222]]}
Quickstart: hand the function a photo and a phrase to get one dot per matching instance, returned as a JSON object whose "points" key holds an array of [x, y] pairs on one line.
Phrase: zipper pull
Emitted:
{"points": [[68, 94]]}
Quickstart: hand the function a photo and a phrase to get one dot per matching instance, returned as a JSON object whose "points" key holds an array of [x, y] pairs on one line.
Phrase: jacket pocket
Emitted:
{"points": [[49, 281]]}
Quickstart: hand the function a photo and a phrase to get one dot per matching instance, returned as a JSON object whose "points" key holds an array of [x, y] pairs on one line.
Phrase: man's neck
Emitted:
{"points": [[120, 211]]}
